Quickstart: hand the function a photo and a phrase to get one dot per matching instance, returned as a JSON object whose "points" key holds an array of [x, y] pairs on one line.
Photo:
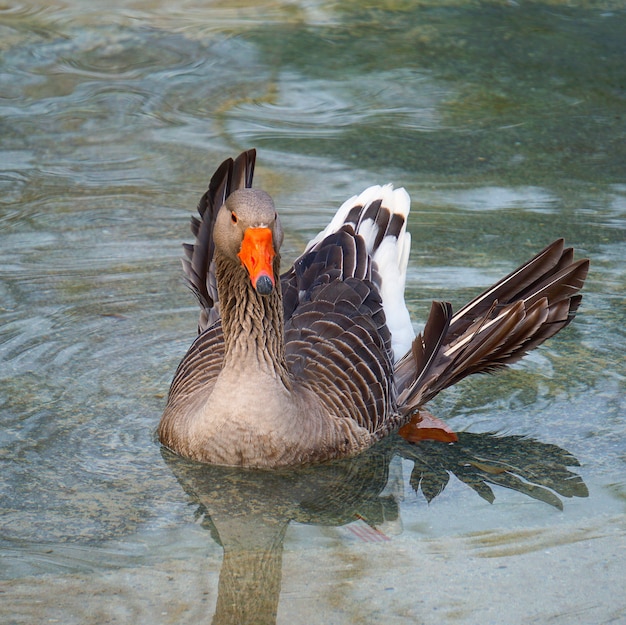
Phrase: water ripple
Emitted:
{"points": [[302, 108]]}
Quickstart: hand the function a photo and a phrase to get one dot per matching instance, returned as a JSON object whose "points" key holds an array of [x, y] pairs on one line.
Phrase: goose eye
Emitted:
{"points": [[233, 218]]}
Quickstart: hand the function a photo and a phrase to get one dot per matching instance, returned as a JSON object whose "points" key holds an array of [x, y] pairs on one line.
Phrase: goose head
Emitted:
{"points": [[247, 231]]}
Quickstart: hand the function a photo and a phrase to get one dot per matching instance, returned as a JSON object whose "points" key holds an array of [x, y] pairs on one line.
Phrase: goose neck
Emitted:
{"points": [[253, 324]]}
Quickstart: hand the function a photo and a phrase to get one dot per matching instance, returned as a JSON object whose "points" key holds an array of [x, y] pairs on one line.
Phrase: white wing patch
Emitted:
{"points": [[391, 255]]}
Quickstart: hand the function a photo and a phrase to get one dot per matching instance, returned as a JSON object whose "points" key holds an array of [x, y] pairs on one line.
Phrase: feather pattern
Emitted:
{"points": [[326, 363], [198, 264], [499, 326]]}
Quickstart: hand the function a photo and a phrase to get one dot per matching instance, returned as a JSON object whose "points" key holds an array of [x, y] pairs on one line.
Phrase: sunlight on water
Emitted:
{"points": [[503, 121]]}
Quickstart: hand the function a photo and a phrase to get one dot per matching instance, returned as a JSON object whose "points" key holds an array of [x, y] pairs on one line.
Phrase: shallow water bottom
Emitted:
{"points": [[434, 582], [418, 568]]}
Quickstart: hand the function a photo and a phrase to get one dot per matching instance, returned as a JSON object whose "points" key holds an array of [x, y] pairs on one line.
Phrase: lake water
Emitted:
{"points": [[505, 121]]}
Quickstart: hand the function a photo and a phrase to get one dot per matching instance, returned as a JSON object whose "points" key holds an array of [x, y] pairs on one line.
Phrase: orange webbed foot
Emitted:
{"points": [[424, 426]]}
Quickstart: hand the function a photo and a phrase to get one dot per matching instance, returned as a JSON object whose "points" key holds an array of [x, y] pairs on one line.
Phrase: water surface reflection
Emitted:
{"points": [[247, 512]]}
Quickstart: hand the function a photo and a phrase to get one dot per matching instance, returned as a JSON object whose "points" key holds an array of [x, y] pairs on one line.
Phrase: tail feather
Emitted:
{"points": [[516, 284], [495, 329], [420, 363]]}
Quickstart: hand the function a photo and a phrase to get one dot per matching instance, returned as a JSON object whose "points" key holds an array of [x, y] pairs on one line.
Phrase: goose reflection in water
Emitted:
{"points": [[248, 511]]}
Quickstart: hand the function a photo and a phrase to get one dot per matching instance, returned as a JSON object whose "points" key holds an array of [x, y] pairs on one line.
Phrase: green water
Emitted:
{"points": [[506, 124]]}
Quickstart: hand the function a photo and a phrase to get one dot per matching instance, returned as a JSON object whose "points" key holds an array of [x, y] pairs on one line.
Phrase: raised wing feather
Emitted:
{"points": [[198, 265], [337, 340]]}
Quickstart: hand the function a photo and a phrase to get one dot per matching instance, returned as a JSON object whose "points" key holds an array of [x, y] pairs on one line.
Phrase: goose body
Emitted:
{"points": [[322, 361]]}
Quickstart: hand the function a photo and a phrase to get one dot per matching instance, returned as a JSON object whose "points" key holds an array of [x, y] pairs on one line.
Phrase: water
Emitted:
{"points": [[505, 122]]}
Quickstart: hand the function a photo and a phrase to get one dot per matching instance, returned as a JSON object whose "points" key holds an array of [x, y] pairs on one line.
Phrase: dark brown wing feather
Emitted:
{"points": [[198, 264], [495, 329], [337, 340]]}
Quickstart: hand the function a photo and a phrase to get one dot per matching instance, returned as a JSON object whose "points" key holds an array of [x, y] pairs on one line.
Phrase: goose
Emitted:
{"points": [[321, 362]]}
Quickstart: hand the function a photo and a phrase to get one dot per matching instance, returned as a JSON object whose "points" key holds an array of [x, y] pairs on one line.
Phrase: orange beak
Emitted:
{"points": [[257, 255]]}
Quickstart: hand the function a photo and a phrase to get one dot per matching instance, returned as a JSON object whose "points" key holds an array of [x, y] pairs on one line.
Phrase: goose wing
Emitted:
{"points": [[495, 329], [341, 321], [199, 265]]}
